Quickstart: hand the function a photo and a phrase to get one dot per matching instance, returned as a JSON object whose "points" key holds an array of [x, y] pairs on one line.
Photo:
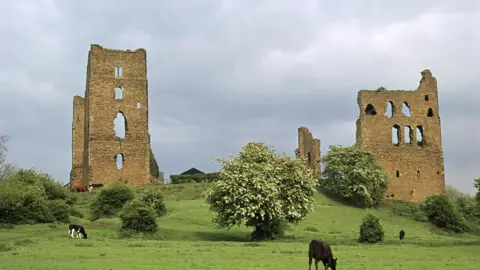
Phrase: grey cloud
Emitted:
{"points": [[233, 71]]}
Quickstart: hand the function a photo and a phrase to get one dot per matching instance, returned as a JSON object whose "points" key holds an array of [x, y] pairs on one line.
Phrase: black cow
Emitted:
{"points": [[72, 228], [402, 234], [321, 251], [94, 186]]}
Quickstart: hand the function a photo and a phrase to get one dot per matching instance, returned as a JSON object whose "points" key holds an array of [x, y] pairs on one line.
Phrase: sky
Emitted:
{"points": [[222, 73]]}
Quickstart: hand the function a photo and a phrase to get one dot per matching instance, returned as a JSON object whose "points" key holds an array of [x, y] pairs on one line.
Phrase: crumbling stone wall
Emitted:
{"points": [[78, 129], [95, 146], [408, 147], [309, 148]]}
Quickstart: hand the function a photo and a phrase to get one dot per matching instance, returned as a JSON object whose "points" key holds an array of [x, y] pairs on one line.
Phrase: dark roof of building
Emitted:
{"points": [[192, 171]]}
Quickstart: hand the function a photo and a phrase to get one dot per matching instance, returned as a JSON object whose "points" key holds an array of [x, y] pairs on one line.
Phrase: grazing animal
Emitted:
{"points": [[402, 234], [72, 228], [80, 188], [94, 186], [321, 251]]}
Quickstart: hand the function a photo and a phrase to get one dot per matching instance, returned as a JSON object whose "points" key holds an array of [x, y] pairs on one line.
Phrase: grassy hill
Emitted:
{"points": [[187, 239]]}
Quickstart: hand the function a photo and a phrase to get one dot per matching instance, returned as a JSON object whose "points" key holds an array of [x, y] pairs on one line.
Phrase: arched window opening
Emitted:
{"points": [[118, 71], [420, 139], [406, 109], [430, 112], [390, 110], [397, 173], [118, 93], [396, 135], [119, 159], [120, 125], [407, 134], [309, 156], [370, 110]]}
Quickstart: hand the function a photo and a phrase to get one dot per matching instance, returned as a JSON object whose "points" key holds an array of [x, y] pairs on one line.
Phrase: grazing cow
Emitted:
{"points": [[72, 228], [402, 234], [80, 188], [94, 186], [321, 251]]}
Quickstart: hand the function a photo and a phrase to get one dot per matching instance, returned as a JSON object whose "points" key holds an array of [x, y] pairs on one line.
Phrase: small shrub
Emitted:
{"points": [[443, 213], [110, 200], [137, 216], [154, 199], [371, 230], [60, 210], [409, 210]]}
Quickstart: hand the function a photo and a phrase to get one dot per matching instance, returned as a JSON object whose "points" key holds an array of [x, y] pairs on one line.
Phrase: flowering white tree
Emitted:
{"points": [[262, 190]]}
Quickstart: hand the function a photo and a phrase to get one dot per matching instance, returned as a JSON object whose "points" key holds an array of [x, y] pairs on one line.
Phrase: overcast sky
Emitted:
{"points": [[225, 72]]}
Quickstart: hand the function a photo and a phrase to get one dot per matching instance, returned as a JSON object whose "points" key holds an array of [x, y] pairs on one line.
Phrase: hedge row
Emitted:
{"points": [[194, 178]]}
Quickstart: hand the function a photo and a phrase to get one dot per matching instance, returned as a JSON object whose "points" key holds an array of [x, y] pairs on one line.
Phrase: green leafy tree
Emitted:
{"points": [[354, 174], [262, 190]]}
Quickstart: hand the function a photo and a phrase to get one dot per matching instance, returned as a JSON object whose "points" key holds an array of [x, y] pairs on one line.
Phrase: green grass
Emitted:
{"points": [[187, 239]]}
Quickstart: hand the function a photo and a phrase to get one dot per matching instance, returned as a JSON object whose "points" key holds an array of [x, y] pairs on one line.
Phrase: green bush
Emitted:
{"points": [[137, 216], [110, 200], [354, 174], [154, 199], [371, 230], [443, 213], [194, 178], [60, 210], [53, 189], [21, 203], [409, 210]]}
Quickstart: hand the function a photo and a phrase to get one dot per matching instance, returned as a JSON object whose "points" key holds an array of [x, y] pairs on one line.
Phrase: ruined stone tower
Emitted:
{"points": [[116, 87], [309, 148], [407, 143]]}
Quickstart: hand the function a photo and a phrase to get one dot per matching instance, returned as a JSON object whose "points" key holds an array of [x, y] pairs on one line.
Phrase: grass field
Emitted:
{"points": [[187, 239]]}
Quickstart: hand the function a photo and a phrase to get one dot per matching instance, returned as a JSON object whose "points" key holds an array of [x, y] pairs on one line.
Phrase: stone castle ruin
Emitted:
{"points": [[406, 142], [309, 148], [116, 90]]}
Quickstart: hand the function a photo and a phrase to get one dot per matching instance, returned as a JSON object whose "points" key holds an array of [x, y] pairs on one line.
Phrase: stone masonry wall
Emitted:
{"points": [[78, 130], [101, 146], [309, 148], [408, 147]]}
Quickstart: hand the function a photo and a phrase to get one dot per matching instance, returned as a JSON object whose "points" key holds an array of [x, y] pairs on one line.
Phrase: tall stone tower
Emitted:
{"points": [[405, 138], [309, 148], [116, 89]]}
